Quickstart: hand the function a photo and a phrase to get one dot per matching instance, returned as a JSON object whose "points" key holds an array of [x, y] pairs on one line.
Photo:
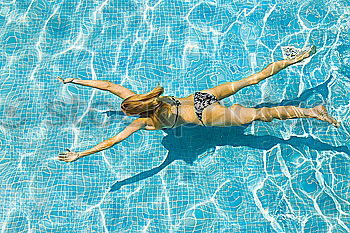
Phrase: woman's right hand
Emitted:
{"points": [[68, 156], [67, 80]]}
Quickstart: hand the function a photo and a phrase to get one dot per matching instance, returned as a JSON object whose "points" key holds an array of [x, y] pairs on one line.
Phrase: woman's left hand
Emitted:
{"points": [[67, 80], [68, 156]]}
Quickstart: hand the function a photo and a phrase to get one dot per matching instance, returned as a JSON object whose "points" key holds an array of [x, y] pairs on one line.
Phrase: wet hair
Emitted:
{"points": [[146, 105]]}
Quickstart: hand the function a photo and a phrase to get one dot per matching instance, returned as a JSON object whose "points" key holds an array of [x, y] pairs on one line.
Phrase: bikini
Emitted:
{"points": [[201, 101], [177, 104]]}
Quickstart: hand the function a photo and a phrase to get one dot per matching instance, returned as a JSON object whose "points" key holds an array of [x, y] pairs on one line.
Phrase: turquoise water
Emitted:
{"points": [[282, 176]]}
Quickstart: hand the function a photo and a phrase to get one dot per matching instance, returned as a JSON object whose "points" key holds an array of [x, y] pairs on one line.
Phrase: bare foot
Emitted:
{"points": [[321, 114], [306, 54]]}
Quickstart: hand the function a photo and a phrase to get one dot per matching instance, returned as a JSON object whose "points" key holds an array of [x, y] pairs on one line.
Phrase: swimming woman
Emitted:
{"points": [[202, 108]]}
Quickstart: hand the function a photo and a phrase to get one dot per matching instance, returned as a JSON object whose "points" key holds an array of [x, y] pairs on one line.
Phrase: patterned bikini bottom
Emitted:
{"points": [[201, 101]]}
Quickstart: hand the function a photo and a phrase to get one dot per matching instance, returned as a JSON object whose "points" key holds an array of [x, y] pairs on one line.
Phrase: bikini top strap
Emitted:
{"points": [[177, 104]]}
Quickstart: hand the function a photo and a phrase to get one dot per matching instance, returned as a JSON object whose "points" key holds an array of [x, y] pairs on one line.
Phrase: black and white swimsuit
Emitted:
{"points": [[201, 101]]}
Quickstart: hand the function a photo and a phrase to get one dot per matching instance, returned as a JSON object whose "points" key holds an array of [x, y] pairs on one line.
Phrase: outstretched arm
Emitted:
{"points": [[104, 85], [130, 129]]}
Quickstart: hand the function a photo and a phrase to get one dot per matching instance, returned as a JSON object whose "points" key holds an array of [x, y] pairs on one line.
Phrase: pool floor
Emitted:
{"points": [[279, 176]]}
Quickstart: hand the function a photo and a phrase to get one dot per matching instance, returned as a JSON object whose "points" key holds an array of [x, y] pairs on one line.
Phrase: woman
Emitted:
{"points": [[202, 108]]}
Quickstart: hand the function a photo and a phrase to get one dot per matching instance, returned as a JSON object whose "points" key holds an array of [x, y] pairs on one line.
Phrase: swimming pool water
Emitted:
{"points": [[282, 176]]}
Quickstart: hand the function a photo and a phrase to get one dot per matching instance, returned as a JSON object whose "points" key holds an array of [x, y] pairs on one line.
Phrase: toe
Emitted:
{"points": [[312, 49], [336, 124]]}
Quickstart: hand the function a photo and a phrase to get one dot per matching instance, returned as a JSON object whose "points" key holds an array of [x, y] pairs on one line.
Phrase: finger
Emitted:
{"points": [[63, 153], [59, 78]]}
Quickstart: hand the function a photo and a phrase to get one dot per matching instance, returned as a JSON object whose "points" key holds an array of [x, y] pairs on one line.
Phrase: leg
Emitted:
{"points": [[104, 85], [290, 112], [239, 115], [230, 88]]}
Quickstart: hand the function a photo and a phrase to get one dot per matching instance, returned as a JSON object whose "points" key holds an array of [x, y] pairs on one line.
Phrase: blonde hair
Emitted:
{"points": [[146, 105]]}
